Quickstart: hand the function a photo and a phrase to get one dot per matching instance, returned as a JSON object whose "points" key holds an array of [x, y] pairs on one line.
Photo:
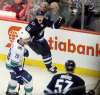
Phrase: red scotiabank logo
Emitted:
{"points": [[12, 34], [71, 47]]}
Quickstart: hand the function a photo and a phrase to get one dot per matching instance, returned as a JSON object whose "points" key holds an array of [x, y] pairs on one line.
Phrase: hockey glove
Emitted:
{"points": [[59, 22]]}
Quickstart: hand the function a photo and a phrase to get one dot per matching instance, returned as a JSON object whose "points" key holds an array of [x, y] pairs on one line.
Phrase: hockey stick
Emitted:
{"points": [[92, 91], [22, 68], [97, 84], [79, 87]]}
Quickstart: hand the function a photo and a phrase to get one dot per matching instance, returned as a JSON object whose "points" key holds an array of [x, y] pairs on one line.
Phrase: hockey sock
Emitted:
{"points": [[28, 88], [47, 60], [12, 86]]}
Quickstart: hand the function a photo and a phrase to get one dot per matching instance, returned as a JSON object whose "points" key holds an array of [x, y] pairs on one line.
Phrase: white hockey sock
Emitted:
{"points": [[29, 88], [12, 86]]}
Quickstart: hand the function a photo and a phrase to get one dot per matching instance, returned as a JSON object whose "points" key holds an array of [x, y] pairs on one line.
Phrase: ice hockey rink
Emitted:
{"points": [[40, 79]]}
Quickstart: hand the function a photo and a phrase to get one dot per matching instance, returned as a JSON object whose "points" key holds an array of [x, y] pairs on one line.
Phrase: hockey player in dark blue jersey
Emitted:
{"points": [[66, 83], [38, 43]]}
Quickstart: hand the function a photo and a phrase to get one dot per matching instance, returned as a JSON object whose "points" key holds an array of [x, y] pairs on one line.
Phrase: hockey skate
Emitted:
{"points": [[8, 93], [52, 69]]}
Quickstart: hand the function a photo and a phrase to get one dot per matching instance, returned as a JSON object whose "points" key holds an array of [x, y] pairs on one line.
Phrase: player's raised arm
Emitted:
{"points": [[59, 22]]}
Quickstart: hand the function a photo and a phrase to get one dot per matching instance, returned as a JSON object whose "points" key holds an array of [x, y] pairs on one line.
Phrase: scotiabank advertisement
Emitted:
{"points": [[83, 48]]}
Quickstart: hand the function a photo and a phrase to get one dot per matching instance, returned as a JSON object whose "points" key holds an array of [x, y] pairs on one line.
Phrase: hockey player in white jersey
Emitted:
{"points": [[18, 74]]}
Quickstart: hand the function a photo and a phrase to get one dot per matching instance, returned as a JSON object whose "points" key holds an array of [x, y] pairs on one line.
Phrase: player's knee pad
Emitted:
{"points": [[28, 87]]}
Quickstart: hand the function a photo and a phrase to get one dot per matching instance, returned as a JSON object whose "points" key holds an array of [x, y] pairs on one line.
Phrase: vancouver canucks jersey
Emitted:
{"points": [[16, 54]]}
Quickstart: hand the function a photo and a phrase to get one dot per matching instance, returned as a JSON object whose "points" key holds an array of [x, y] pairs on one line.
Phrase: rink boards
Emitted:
{"points": [[81, 46]]}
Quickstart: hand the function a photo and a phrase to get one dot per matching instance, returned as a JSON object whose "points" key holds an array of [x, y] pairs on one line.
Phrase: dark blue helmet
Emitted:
{"points": [[40, 13], [70, 65]]}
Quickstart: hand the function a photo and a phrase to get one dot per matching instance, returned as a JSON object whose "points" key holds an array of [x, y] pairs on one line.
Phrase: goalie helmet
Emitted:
{"points": [[70, 65]]}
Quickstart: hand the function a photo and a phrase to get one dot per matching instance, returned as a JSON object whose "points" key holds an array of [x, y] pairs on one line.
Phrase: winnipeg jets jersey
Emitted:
{"points": [[16, 53], [36, 30], [66, 84]]}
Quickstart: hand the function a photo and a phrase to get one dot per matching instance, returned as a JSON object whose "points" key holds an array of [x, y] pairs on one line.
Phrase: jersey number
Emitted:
{"points": [[59, 86], [17, 56]]}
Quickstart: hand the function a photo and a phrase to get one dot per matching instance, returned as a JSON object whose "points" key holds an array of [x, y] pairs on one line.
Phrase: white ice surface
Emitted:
{"points": [[40, 79]]}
